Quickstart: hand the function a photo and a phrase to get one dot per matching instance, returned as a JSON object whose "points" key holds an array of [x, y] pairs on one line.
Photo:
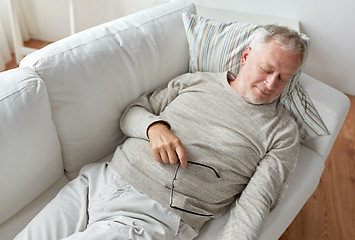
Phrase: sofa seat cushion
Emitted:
{"points": [[11, 227], [29, 147]]}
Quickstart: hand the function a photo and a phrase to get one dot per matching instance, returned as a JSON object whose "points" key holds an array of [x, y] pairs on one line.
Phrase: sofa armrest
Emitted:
{"points": [[29, 146], [332, 106]]}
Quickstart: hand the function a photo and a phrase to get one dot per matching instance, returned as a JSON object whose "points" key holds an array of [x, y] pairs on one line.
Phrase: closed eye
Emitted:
{"points": [[265, 70]]}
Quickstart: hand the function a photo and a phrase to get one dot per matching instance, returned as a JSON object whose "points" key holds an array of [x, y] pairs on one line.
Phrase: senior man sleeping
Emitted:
{"points": [[194, 147]]}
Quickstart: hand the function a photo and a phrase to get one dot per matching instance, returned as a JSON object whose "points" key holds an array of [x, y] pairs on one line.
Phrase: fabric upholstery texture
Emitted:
{"points": [[29, 145], [217, 46], [99, 71]]}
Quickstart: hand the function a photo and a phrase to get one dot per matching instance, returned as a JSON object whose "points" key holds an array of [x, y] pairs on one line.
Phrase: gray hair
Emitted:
{"points": [[290, 40]]}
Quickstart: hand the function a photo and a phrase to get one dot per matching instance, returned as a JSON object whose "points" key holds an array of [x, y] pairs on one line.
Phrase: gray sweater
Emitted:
{"points": [[254, 149]]}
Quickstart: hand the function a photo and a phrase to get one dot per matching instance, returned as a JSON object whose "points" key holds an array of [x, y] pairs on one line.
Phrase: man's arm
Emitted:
{"points": [[264, 189], [142, 119]]}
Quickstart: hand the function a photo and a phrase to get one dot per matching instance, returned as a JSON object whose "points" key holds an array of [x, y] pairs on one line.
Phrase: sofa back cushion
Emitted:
{"points": [[29, 147], [93, 75]]}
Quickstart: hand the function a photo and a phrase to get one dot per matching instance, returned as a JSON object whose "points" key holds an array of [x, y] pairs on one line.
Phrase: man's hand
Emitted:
{"points": [[165, 146]]}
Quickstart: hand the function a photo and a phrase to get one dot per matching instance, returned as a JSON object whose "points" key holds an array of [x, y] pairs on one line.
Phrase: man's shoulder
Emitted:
{"points": [[200, 78]]}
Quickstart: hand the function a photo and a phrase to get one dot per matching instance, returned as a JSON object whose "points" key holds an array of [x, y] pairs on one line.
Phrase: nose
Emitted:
{"points": [[271, 81]]}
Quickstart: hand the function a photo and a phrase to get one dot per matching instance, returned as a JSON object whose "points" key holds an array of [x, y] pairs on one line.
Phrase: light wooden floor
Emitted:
{"points": [[329, 214], [32, 44]]}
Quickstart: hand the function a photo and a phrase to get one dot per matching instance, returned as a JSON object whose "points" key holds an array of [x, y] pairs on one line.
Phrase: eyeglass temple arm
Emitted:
{"points": [[204, 165]]}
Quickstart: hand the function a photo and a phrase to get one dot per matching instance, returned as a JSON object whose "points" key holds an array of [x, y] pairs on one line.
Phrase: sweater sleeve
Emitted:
{"points": [[146, 110], [264, 189]]}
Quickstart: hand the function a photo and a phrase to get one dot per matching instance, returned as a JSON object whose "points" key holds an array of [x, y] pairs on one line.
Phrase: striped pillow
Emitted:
{"points": [[300, 106], [216, 46]]}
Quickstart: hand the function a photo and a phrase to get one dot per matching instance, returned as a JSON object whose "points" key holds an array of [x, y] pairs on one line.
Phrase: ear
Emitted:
{"points": [[245, 55]]}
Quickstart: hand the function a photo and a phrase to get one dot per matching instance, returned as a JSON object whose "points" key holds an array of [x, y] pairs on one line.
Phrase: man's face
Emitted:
{"points": [[264, 73]]}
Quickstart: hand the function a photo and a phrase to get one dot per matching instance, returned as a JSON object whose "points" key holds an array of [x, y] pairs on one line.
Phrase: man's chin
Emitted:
{"points": [[255, 100]]}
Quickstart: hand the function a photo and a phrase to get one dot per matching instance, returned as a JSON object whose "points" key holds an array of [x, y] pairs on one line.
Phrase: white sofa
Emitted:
{"points": [[60, 110]]}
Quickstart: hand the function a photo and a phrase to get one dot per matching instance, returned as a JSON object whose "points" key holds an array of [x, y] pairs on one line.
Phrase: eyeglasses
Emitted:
{"points": [[172, 189]]}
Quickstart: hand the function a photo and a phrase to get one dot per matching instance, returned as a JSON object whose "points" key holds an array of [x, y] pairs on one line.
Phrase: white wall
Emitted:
{"points": [[329, 24], [52, 16]]}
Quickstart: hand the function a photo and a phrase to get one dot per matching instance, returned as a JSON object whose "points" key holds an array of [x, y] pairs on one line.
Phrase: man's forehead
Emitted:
{"points": [[270, 66]]}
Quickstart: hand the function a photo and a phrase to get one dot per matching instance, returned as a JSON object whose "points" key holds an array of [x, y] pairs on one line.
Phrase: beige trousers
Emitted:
{"points": [[99, 204]]}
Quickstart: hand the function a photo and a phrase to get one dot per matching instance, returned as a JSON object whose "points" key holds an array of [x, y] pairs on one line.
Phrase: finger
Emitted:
{"points": [[155, 152], [156, 156], [173, 158], [180, 151], [164, 156]]}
